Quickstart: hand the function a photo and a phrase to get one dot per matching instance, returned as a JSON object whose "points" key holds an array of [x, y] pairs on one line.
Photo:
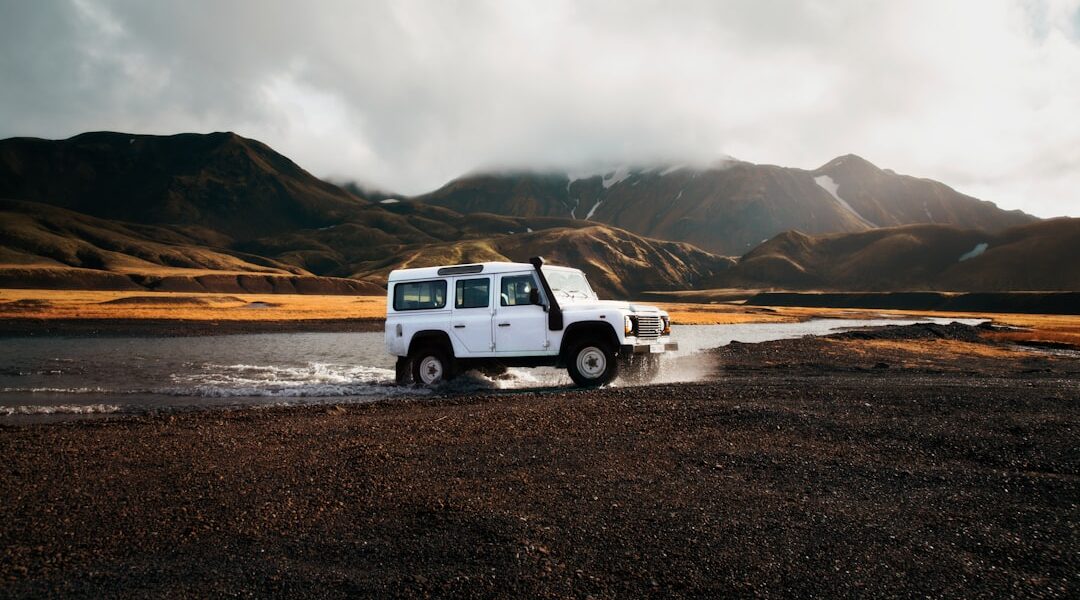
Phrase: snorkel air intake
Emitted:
{"points": [[555, 321]]}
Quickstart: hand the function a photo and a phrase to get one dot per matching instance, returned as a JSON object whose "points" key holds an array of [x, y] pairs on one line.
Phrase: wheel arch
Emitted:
{"points": [[596, 330], [431, 337]]}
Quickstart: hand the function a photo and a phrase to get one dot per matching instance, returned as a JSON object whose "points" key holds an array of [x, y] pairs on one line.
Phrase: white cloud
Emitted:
{"points": [[406, 94]]}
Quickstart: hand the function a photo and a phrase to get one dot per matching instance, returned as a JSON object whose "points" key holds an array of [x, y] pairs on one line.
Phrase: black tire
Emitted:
{"points": [[592, 364], [432, 365], [640, 369]]}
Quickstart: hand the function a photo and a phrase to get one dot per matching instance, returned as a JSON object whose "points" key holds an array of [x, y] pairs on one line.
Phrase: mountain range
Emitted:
{"points": [[729, 207], [226, 213]]}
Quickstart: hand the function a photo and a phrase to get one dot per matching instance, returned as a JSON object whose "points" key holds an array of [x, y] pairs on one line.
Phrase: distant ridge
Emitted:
{"points": [[729, 207], [1039, 256]]}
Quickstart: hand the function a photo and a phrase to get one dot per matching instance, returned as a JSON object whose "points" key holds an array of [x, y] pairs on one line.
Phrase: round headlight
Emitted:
{"points": [[667, 325], [628, 325]]}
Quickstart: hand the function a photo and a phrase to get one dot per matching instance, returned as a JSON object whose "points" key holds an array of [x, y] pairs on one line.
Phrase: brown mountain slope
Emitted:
{"points": [[50, 247], [383, 233], [729, 207], [1037, 256], [233, 185], [886, 199], [619, 264], [521, 194], [218, 190]]}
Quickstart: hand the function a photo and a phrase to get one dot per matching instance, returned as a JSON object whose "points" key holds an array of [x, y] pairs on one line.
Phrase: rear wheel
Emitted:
{"points": [[432, 366], [592, 364]]}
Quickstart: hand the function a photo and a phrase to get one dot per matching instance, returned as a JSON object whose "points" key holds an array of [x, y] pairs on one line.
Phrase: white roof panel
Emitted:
{"points": [[487, 269]]}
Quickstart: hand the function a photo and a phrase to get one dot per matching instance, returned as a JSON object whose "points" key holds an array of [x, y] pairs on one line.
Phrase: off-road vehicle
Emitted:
{"points": [[442, 321]]}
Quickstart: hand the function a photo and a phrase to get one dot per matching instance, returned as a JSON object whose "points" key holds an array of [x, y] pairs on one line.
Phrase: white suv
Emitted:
{"points": [[441, 321]]}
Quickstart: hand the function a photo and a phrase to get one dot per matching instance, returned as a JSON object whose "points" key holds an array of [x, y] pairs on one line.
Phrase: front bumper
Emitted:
{"points": [[657, 348]]}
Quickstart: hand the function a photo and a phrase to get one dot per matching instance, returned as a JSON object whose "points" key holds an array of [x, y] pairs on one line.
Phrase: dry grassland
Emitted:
{"points": [[69, 304], [928, 353]]}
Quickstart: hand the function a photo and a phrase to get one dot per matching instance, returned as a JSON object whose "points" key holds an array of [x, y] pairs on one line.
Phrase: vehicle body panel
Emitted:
{"points": [[509, 330]]}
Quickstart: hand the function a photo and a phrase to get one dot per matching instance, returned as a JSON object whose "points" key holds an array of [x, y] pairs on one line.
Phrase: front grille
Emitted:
{"points": [[649, 327]]}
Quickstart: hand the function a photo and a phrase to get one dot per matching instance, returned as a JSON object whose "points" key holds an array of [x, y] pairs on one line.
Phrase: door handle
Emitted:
{"points": [[459, 327], [504, 324]]}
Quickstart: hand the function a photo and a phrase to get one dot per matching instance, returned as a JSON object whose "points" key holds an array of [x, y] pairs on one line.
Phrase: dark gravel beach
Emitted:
{"points": [[850, 480]]}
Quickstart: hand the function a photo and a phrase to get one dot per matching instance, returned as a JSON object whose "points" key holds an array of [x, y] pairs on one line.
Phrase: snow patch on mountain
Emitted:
{"points": [[826, 183], [977, 250], [616, 176]]}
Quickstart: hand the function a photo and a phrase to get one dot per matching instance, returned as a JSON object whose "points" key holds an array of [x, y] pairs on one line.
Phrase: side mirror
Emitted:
{"points": [[534, 296]]}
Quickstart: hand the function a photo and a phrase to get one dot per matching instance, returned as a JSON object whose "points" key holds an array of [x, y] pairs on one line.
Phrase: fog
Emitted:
{"points": [[404, 95]]}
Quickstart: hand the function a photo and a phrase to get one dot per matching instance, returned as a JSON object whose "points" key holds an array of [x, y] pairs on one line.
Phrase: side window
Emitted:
{"points": [[420, 295], [515, 290], [472, 293]]}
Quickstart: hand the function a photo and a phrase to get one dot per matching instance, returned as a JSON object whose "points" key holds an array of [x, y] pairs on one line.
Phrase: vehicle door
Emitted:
{"points": [[520, 325], [470, 318]]}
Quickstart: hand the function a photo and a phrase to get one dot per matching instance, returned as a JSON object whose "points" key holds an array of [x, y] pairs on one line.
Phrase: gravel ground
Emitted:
{"points": [[774, 482]]}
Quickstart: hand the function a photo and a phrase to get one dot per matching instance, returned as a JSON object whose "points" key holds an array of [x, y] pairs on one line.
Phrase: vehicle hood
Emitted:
{"points": [[576, 304]]}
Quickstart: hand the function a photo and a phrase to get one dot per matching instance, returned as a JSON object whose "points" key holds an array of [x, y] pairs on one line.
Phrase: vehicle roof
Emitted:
{"points": [[487, 268]]}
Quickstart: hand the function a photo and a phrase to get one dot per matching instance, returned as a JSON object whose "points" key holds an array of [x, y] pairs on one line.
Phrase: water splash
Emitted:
{"points": [[312, 380]]}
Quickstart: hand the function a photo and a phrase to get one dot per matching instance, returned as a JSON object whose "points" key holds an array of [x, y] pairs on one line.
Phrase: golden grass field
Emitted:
{"points": [[75, 304], [926, 353]]}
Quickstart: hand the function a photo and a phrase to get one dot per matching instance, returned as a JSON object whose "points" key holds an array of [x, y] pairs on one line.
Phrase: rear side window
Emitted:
{"points": [[420, 295], [515, 290], [472, 293]]}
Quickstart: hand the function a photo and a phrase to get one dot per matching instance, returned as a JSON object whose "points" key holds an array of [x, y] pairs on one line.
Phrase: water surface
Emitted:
{"points": [[84, 376]]}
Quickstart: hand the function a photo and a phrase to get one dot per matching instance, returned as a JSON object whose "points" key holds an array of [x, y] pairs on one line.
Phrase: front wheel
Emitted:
{"points": [[592, 364], [431, 366]]}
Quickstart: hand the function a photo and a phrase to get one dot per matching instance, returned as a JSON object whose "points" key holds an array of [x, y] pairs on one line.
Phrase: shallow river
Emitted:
{"points": [[52, 378]]}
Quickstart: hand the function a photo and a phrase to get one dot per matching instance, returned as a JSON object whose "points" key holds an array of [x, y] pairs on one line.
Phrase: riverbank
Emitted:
{"points": [[52, 327], [1049, 303], [103, 313], [945, 477]]}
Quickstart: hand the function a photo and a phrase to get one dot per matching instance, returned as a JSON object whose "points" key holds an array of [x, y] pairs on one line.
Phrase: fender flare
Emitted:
{"points": [[431, 336], [587, 329]]}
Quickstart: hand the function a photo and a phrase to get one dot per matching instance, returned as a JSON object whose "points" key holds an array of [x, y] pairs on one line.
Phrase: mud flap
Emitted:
{"points": [[403, 371]]}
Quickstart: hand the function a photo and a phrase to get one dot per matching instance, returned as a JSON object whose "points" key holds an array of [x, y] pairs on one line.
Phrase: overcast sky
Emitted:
{"points": [[983, 94]]}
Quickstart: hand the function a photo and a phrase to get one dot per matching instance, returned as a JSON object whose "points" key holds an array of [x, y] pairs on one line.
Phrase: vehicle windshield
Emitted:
{"points": [[568, 284]]}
